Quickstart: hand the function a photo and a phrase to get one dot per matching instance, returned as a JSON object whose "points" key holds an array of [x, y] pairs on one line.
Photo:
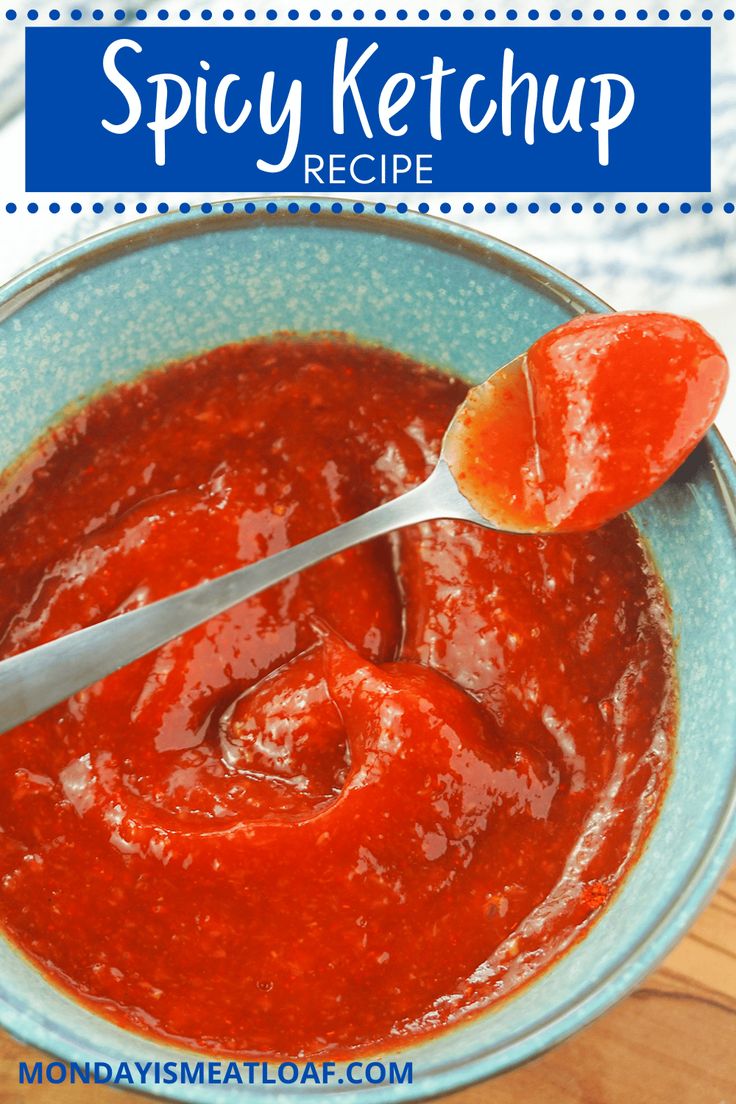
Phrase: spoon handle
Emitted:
{"points": [[34, 680]]}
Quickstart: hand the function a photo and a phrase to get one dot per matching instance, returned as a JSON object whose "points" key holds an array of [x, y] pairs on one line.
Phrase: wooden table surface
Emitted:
{"points": [[673, 1041]]}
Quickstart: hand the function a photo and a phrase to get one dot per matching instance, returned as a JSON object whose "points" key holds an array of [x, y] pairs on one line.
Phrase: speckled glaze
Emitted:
{"points": [[165, 287]]}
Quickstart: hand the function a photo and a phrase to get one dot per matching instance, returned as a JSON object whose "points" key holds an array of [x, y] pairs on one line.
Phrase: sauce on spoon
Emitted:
{"points": [[596, 416]]}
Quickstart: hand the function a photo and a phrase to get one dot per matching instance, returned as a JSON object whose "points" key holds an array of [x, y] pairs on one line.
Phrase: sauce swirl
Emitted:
{"points": [[360, 805]]}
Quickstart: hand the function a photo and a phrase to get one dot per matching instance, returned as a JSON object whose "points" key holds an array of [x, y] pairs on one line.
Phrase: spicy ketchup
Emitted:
{"points": [[348, 811], [596, 416]]}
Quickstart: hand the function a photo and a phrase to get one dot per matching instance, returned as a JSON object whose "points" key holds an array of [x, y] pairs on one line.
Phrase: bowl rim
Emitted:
{"points": [[697, 885]]}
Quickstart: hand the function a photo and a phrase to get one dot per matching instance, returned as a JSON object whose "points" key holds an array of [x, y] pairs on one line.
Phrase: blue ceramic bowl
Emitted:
{"points": [[166, 287]]}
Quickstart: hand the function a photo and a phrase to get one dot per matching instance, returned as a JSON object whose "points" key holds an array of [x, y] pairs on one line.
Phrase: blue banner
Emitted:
{"points": [[306, 109]]}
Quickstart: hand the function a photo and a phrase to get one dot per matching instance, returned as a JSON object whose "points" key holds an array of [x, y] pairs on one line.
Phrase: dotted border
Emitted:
{"points": [[294, 15], [422, 15], [317, 207]]}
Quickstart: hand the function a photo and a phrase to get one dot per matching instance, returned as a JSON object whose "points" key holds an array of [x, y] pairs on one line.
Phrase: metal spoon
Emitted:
{"points": [[38, 678]]}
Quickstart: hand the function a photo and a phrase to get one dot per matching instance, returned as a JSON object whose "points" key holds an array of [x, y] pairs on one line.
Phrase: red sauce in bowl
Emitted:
{"points": [[354, 808]]}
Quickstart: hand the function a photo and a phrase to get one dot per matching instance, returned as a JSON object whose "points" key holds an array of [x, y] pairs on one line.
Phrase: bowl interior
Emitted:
{"points": [[143, 296]]}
